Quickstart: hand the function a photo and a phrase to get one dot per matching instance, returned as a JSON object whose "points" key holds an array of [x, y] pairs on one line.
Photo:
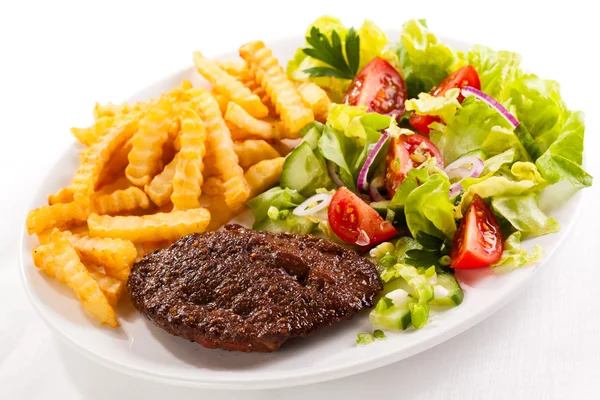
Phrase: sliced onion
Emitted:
{"points": [[322, 200], [332, 169], [471, 91], [464, 167], [374, 186], [455, 189], [362, 183], [363, 238]]}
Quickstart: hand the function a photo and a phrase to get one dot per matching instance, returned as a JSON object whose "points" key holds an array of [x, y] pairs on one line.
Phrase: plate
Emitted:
{"points": [[141, 349]]}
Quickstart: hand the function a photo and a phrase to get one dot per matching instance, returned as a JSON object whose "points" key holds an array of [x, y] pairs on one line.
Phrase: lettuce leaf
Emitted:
{"points": [[502, 139], [514, 256], [424, 61], [524, 214], [442, 106], [373, 42], [496, 69], [282, 199], [429, 209]]}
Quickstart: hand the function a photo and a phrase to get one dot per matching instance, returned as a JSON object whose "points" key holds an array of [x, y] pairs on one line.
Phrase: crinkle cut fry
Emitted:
{"points": [[187, 182], [251, 152], [112, 288], [264, 175], [59, 260], [221, 145], [247, 124], [96, 157], [150, 228], [315, 98], [161, 187], [57, 215], [120, 201], [282, 91], [230, 86]]}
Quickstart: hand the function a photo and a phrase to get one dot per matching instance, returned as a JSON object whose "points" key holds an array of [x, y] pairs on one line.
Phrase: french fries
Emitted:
{"points": [[150, 228], [316, 99], [115, 255], [119, 201], [59, 260], [60, 215], [229, 86], [221, 145], [147, 147], [112, 288], [250, 152], [213, 186], [188, 179], [238, 69], [161, 187], [64, 195], [91, 135], [264, 175], [247, 124], [265, 68]]}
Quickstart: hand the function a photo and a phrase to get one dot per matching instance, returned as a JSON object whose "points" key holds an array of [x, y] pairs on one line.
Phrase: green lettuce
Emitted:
{"points": [[524, 214], [424, 61], [442, 106], [496, 70], [373, 42], [501, 139], [428, 208], [514, 256], [281, 199]]}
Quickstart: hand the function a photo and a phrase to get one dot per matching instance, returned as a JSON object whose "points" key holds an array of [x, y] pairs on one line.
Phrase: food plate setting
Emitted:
{"points": [[304, 209]]}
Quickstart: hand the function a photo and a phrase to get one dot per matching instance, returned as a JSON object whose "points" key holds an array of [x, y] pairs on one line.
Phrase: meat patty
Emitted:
{"points": [[244, 290]]}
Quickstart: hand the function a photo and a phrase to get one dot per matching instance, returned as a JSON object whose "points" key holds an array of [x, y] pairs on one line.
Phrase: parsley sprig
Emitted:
{"points": [[435, 252], [332, 54]]}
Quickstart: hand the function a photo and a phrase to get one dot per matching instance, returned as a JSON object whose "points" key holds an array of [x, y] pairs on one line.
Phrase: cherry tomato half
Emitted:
{"points": [[354, 221], [407, 152], [478, 241], [465, 76], [379, 87]]}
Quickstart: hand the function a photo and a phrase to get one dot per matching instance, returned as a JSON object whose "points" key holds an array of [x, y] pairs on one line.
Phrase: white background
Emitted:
{"points": [[58, 59]]}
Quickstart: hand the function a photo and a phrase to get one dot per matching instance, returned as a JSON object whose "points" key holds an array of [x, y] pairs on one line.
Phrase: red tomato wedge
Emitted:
{"points": [[354, 221], [379, 87], [465, 76], [407, 152], [478, 241]]}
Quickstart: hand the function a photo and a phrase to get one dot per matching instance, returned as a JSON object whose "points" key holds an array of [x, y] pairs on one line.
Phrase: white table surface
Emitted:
{"points": [[58, 59]]}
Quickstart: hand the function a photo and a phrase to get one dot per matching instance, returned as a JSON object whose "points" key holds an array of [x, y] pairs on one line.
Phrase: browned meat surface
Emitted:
{"points": [[239, 289]]}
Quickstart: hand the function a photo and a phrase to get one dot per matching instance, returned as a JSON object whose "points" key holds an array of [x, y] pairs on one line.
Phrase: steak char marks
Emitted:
{"points": [[244, 290]]}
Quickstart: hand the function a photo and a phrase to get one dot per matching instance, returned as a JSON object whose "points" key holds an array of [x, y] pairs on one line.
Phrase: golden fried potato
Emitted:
{"points": [[120, 201], [115, 255], [213, 186], [264, 175], [220, 212], [161, 187], [265, 68], [64, 195], [145, 156], [222, 100], [247, 124], [316, 99], [250, 152], [238, 69], [119, 183], [114, 169], [96, 156], [59, 215], [221, 145], [150, 247], [283, 147], [112, 288], [150, 228], [188, 179], [229, 86], [93, 134], [59, 260], [112, 110]]}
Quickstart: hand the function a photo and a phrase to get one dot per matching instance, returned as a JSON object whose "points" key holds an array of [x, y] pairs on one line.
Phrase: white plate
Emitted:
{"points": [[139, 348]]}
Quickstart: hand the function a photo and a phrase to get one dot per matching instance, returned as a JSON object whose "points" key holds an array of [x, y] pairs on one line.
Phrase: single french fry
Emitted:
{"points": [[114, 169], [96, 156], [222, 100], [265, 68], [58, 215], [161, 187], [220, 212], [113, 110], [187, 182], [229, 86], [115, 255], [213, 186], [250, 152], [59, 260], [221, 145], [93, 134], [64, 195], [147, 147], [149, 228], [119, 183], [112, 288], [247, 124], [316, 99], [264, 175], [120, 201], [238, 69]]}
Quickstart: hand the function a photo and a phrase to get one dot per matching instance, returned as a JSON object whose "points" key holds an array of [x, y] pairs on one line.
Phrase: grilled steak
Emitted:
{"points": [[239, 289]]}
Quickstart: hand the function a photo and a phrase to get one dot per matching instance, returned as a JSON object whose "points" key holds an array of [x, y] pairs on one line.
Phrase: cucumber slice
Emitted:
{"points": [[394, 317], [450, 284], [292, 224], [383, 207], [304, 171], [312, 137]]}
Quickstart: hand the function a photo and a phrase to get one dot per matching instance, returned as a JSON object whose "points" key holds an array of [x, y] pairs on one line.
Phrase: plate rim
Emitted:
{"points": [[295, 379]]}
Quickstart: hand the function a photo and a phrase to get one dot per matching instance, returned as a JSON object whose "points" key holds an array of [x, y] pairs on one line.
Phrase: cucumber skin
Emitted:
{"points": [[455, 295], [296, 173]]}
